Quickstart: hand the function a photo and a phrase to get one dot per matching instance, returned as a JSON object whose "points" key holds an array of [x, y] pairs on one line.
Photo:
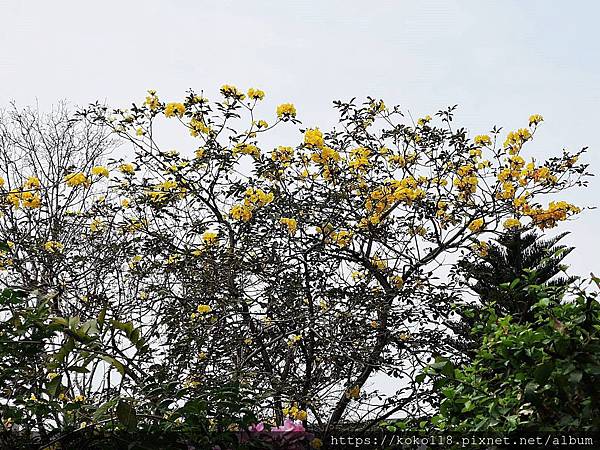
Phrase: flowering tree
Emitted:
{"points": [[302, 271], [156, 286]]}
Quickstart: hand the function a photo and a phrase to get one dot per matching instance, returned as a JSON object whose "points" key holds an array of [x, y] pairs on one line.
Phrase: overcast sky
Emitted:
{"points": [[499, 61]]}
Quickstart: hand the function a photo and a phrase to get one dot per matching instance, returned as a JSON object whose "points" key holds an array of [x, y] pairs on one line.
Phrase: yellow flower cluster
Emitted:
{"points": [[341, 238], [481, 247], [53, 247], [512, 223], [535, 119], [203, 309], [380, 200], [466, 180], [359, 159], [127, 168], [286, 111], [515, 140], [424, 120], [482, 139], [283, 154], [290, 223], [253, 198], [76, 179], [161, 191], [295, 413], [556, 212], [378, 263], [152, 100], [100, 171], [476, 225], [96, 225], [257, 197], [247, 149], [293, 339], [231, 91], [313, 137], [174, 109], [198, 126], [325, 156], [255, 94], [210, 237], [353, 392], [241, 212], [28, 197], [32, 183]]}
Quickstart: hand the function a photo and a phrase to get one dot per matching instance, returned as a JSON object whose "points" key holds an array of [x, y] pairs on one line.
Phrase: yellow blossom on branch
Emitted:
{"points": [[256, 94], [100, 171], [76, 179], [286, 111], [174, 109]]}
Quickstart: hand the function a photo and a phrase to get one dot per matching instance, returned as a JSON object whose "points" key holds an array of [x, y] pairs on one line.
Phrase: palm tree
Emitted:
{"points": [[514, 255]]}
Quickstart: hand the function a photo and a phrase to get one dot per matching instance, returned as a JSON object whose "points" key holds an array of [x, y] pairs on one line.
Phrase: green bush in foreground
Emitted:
{"points": [[543, 375]]}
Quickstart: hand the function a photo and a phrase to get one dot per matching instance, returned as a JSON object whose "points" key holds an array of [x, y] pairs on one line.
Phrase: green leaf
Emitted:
{"points": [[126, 415], [116, 364], [543, 372]]}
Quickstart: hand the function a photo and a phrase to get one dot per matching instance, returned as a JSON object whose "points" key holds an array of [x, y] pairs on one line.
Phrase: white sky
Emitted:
{"points": [[500, 61]]}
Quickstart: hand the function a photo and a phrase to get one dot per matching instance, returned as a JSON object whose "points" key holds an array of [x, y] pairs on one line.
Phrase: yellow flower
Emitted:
{"points": [[52, 375], [556, 211], [283, 154], [286, 111], [76, 178], [301, 415], [127, 168], [291, 224], [100, 170], [203, 309], [210, 237], [241, 212], [30, 200], [353, 392], [32, 182], [314, 138], [53, 247], [378, 263], [79, 398], [481, 247], [96, 225], [174, 109], [152, 100], [255, 94], [14, 198], [125, 203], [534, 119], [247, 149], [398, 281], [512, 223], [342, 238], [198, 126], [293, 339], [231, 91], [316, 443], [424, 120], [482, 139], [476, 225]]}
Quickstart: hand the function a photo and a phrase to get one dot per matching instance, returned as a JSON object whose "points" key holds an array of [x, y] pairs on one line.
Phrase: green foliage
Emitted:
{"points": [[539, 375]]}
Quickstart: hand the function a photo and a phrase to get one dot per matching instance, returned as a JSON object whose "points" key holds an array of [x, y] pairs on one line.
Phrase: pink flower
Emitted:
{"points": [[257, 428], [290, 425]]}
